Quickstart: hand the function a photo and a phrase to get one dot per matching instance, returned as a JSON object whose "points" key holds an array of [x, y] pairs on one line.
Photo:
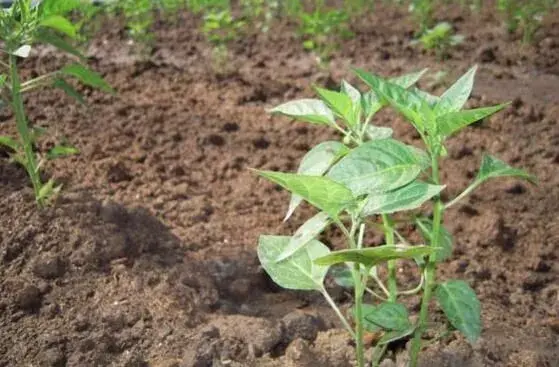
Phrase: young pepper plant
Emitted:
{"points": [[366, 174], [22, 26], [436, 119]]}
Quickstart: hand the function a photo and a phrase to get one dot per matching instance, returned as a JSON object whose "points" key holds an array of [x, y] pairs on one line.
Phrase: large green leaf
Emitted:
{"points": [[309, 110], [492, 167], [87, 77], [455, 97], [307, 232], [408, 103], [52, 39], [407, 197], [425, 225], [378, 132], [340, 104], [389, 316], [352, 92], [322, 192], [59, 24], [452, 122], [58, 7], [378, 166], [315, 163], [297, 272], [372, 256], [461, 307]]}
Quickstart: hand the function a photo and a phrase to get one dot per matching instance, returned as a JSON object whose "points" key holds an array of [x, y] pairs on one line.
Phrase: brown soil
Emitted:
{"points": [[148, 257]]}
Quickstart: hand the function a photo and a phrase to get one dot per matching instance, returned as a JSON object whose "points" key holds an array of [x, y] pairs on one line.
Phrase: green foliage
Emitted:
{"points": [[524, 14], [440, 39], [22, 26], [422, 11], [322, 30], [368, 175]]}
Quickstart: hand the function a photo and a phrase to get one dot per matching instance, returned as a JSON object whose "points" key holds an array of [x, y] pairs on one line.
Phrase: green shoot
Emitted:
{"points": [[440, 39]]}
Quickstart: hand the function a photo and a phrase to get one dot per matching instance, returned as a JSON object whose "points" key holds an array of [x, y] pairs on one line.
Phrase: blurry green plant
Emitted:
{"points": [[526, 15], [440, 39], [422, 11], [322, 31], [22, 26], [369, 176]]}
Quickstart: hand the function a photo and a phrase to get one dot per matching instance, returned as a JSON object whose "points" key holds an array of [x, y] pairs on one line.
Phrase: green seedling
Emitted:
{"points": [[322, 30], [22, 26], [369, 176], [440, 39], [422, 11], [525, 14]]}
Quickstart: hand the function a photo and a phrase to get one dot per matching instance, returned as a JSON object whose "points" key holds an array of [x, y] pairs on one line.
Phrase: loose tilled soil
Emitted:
{"points": [[148, 256]]}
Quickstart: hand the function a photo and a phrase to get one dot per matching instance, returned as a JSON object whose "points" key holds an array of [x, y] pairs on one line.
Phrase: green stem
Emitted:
{"points": [[392, 282], [338, 312], [23, 130], [430, 269], [359, 330], [463, 194]]}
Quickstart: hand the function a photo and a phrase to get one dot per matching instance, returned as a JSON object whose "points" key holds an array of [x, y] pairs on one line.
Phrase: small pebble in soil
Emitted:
{"points": [[49, 267], [29, 298], [298, 324]]}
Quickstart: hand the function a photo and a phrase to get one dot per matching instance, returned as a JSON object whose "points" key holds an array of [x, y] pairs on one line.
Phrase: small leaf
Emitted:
{"points": [[408, 103], [378, 132], [69, 90], [23, 51], [492, 167], [372, 256], [453, 122], [52, 39], [369, 326], [389, 316], [461, 307], [352, 92], [60, 24], [392, 336], [87, 77], [370, 104], [407, 80], [322, 192], [315, 163], [425, 225], [342, 275], [339, 103], [309, 110], [10, 143], [299, 271], [307, 232], [48, 190], [455, 97], [60, 151], [378, 166], [407, 197]]}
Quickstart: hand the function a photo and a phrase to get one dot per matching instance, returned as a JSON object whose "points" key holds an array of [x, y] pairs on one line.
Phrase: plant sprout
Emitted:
{"points": [[369, 176], [21, 27]]}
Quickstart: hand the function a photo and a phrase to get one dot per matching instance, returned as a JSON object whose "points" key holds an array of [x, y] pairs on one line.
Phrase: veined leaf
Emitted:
{"points": [[407, 80], [352, 92], [339, 103], [408, 103], [378, 132], [452, 122], [52, 39], [492, 167], [315, 163], [59, 24], [322, 192], [389, 316], [58, 7], [455, 97], [394, 335], [69, 90], [309, 110], [407, 197], [425, 225], [461, 306], [299, 271], [87, 77], [428, 97], [372, 256], [307, 232], [378, 166]]}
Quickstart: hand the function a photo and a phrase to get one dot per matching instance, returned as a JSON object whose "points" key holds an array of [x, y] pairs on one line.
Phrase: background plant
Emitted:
{"points": [[22, 26], [369, 176], [526, 15], [440, 39]]}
